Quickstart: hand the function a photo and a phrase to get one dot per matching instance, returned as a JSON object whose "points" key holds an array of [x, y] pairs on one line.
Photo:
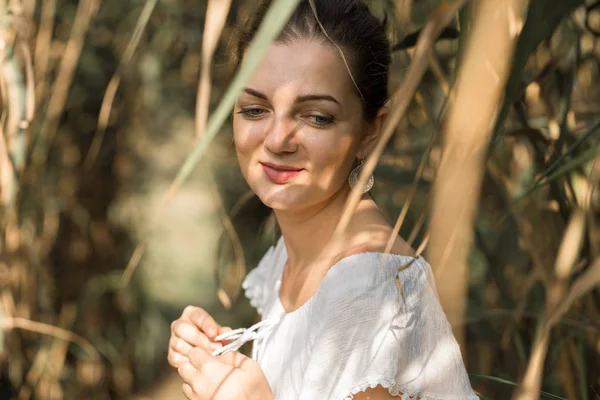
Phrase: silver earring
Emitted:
{"points": [[353, 178]]}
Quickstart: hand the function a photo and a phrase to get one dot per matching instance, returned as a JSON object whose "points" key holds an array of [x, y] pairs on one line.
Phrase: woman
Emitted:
{"points": [[335, 324]]}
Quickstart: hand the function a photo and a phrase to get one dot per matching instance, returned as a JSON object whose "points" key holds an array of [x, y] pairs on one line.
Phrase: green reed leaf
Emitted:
{"points": [[275, 19], [567, 167], [543, 17]]}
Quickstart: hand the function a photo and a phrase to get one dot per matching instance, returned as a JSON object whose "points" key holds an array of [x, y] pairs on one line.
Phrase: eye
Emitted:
{"points": [[320, 120], [252, 112]]}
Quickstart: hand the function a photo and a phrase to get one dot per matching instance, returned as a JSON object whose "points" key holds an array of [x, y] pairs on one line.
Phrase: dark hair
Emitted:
{"points": [[350, 26]]}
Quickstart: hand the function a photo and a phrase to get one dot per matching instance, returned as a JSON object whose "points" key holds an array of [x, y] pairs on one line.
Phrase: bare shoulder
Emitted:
{"points": [[370, 231]]}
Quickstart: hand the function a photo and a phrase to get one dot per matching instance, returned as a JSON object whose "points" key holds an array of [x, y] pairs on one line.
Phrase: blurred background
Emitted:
{"points": [[99, 113]]}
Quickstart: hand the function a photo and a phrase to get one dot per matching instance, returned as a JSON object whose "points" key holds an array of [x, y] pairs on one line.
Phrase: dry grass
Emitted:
{"points": [[510, 227]]}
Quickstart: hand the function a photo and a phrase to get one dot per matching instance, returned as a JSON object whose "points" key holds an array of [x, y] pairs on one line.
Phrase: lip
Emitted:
{"points": [[280, 173]]}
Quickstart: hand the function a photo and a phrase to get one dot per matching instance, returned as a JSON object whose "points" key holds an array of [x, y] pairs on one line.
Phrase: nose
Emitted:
{"points": [[281, 136]]}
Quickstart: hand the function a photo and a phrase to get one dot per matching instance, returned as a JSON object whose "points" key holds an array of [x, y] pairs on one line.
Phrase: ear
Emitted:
{"points": [[373, 132]]}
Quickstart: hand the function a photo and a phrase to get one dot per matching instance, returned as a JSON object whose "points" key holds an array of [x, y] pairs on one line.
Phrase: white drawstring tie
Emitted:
{"points": [[243, 335]]}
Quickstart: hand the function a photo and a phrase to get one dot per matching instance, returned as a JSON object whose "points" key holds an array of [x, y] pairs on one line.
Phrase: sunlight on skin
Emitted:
{"points": [[376, 393], [323, 137], [299, 127], [300, 110]]}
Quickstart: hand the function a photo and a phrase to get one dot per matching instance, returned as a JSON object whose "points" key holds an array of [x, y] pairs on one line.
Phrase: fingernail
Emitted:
{"points": [[215, 346]]}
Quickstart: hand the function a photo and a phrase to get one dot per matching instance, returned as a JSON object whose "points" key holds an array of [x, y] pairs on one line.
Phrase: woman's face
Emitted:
{"points": [[298, 126]]}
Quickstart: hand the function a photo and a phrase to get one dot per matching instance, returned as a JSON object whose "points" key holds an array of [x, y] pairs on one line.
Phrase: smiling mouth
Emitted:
{"points": [[280, 173]]}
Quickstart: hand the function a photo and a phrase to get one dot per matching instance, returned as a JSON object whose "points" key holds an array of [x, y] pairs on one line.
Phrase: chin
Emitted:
{"points": [[280, 200], [290, 196]]}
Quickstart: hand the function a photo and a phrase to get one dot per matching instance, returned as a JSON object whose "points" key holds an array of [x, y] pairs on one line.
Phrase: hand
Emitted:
{"points": [[225, 377], [195, 328]]}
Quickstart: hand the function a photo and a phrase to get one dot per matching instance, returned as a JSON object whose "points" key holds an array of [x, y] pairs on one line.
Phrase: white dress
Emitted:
{"points": [[357, 331]]}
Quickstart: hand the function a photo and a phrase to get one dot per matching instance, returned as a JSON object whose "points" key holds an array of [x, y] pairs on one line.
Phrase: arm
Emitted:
{"points": [[376, 393]]}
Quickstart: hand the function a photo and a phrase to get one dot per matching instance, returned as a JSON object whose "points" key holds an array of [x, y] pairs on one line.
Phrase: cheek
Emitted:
{"points": [[332, 155], [247, 138]]}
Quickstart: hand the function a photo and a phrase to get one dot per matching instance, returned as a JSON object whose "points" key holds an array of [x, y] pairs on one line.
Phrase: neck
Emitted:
{"points": [[308, 232]]}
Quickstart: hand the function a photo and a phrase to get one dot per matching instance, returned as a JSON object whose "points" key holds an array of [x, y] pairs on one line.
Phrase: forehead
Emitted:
{"points": [[302, 66]]}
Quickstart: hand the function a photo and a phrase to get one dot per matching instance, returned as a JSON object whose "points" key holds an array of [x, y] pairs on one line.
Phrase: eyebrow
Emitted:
{"points": [[255, 93], [299, 99]]}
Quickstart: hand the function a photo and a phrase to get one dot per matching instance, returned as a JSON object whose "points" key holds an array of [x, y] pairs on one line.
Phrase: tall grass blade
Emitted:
{"points": [[543, 17], [510, 383], [115, 81], [402, 98], [467, 132], [86, 12], [275, 19], [216, 16], [572, 164]]}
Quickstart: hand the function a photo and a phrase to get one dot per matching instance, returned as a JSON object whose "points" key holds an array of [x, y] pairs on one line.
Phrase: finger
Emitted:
{"points": [[204, 321], [187, 372], [179, 345], [197, 390], [224, 330], [188, 391], [203, 360], [176, 359], [191, 334]]}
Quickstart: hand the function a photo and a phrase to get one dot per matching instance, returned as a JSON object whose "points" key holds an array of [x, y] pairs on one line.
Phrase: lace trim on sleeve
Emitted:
{"points": [[396, 390], [253, 292], [256, 283]]}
